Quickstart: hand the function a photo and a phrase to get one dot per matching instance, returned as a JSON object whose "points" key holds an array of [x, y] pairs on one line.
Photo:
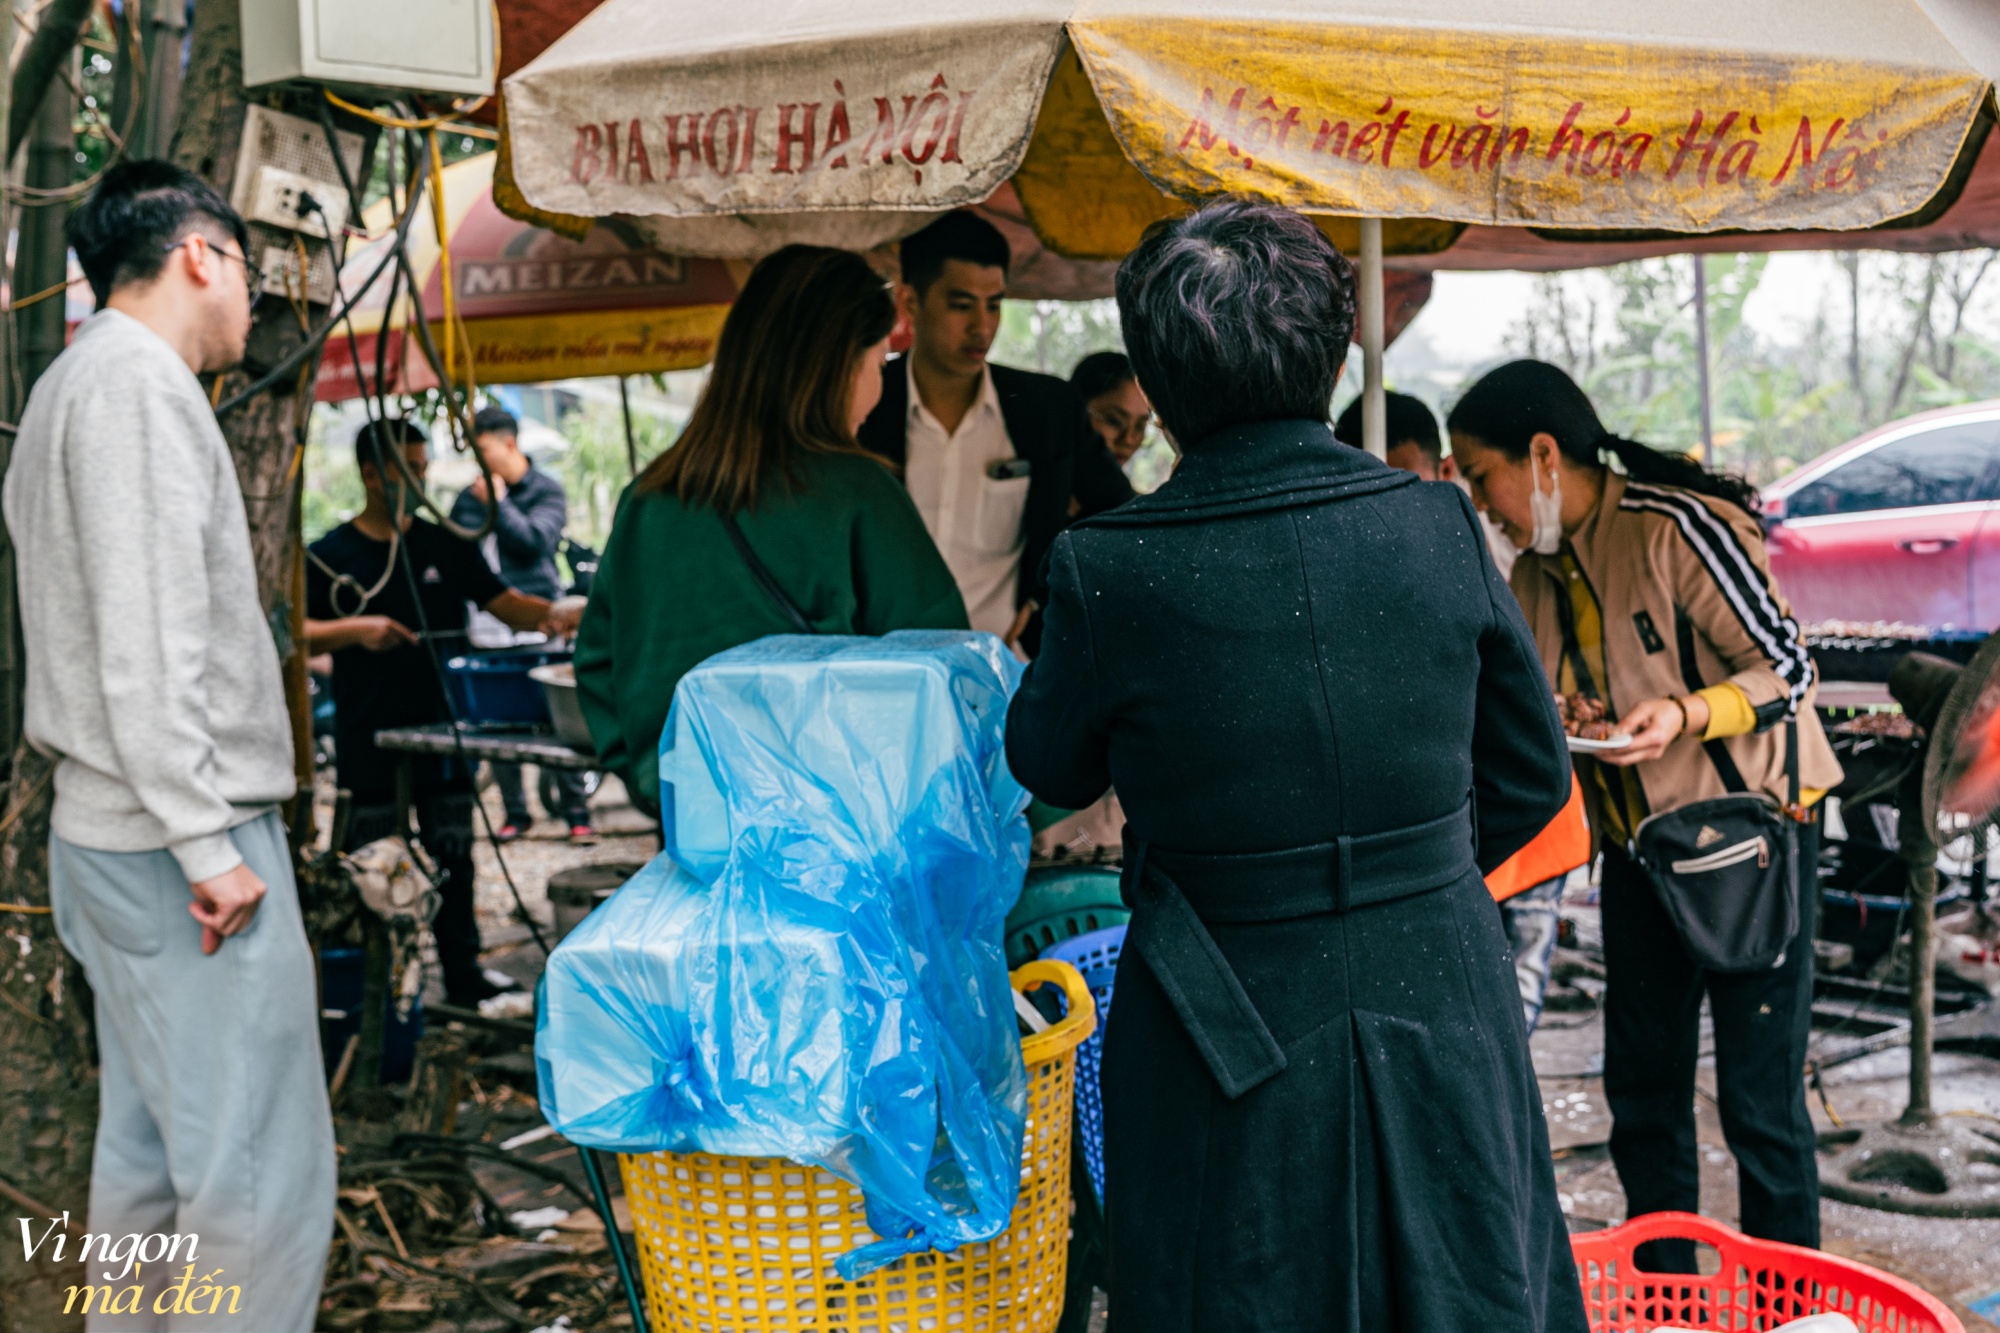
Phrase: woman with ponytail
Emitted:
{"points": [[1644, 579]]}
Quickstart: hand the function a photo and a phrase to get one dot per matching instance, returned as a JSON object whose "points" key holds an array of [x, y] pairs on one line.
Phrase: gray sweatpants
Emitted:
{"points": [[212, 1110], [1533, 918]]}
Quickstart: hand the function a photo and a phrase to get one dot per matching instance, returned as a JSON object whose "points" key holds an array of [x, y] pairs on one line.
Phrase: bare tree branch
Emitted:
{"points": [[55, 37], [1851, 261], [1961, 298], [1920, 323]]}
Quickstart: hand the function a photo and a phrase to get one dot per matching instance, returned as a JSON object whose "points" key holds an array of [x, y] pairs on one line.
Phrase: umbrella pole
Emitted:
{"points": [[1701, 357], [1921, 855], [1374, 406], [631, 449]]}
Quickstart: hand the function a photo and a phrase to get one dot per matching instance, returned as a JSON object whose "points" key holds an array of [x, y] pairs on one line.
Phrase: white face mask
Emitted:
{"points": [[1545, 510]]}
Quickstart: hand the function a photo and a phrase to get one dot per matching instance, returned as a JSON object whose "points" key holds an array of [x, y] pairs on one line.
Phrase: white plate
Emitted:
{"points": [[1579, 745]]}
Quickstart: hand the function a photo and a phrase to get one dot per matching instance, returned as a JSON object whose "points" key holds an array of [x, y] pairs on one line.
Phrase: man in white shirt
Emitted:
{"points": [[993, 457]]}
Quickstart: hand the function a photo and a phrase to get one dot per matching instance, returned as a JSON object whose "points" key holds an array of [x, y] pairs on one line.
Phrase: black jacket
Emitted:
{"points": [[1048, 426], [1324, 716], [528, 530]]}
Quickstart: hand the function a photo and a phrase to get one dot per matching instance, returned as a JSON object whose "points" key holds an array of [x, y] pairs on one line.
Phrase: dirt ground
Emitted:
{"points": [[1957, 1260], [550, 1271]]}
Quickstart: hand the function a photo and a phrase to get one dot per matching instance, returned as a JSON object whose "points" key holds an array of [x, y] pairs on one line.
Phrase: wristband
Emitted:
{"points": [[1675, 700]]}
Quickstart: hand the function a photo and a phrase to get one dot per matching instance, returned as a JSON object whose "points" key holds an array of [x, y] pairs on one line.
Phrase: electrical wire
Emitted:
{"points": [[461, 430], [458, 733], [1814, 1046], [37, 197], [428, 637], [454, 326], [413, 123], [293, 359], [1819, 1039], [458, 406], [341, 579], [44, 294]]}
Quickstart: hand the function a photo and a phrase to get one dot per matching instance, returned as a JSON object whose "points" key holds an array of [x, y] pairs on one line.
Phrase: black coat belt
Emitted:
{"points": [[1172, 894]]}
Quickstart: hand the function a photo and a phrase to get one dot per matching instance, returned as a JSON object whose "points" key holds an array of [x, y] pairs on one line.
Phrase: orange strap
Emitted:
{"points": [[1558, 849]]}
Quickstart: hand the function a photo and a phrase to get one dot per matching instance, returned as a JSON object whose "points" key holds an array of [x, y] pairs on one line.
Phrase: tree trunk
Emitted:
{"points": [[43, 258], [1852, 263], [266, 435], [166, 28], [1920, 328], [41, 65], [48, 1095], [147, 90], [48, 1092]]}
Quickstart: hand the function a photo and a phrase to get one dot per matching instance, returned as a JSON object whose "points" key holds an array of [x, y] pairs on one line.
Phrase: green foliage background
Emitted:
{"points": [[1904, 347]]}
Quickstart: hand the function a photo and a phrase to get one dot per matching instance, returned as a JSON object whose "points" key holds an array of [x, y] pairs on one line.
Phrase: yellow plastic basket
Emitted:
{"points": [[747, 1244]]}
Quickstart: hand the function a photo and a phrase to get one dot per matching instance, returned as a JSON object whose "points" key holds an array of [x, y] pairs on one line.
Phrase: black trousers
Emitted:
{"points": [[573, 801], [444, 829], [1652, 1030]]}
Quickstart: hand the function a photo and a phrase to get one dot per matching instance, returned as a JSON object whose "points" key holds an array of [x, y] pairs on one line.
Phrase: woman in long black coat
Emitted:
{"points": [[1325, 718]]}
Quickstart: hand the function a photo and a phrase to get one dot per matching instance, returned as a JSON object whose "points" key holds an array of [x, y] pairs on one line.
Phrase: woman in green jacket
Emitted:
{"points": [[771, 444]]}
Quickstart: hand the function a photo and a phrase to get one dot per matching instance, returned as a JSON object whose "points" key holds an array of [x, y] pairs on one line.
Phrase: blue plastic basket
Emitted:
{"points": [[495, 688], [342, 978], [1095, 955]]}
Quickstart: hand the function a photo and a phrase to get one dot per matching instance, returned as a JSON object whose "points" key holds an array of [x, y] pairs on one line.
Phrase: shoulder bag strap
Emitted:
{"points": [[788, 607], [1718, 753], [1571, 649], [1792, 764]]}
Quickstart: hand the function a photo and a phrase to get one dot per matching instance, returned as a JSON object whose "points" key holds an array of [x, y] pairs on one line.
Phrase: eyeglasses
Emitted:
{"points": [[1118, 423], [252, 275]]}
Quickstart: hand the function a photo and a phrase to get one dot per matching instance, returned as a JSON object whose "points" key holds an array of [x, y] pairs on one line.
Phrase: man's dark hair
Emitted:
{"points": [[1409, 421], [1237, 312], [123, 231], [959, 235], [389, 433], [494, 421], [1100, 373]]}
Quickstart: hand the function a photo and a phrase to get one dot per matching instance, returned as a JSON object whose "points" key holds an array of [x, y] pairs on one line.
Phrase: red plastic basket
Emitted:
{"points": [[1762, 1284]]}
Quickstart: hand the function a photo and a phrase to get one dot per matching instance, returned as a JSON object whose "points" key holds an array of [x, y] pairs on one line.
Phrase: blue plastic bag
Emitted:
{"points": [[814, 968]]}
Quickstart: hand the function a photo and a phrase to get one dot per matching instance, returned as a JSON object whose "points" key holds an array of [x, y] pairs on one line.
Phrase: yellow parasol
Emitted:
{"points": [[729, 129]]}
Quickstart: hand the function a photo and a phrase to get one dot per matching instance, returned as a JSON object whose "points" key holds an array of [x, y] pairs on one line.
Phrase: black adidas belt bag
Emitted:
{"points": [[1727, 869]]}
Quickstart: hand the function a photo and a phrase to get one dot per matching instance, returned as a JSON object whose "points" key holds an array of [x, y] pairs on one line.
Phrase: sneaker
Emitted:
{"points": [[470, 991], [499, 980], [507, 832], [582, 835]]}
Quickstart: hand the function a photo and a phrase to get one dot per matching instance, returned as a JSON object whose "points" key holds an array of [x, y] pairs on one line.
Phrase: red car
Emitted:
{"points": [[1900, 525]]}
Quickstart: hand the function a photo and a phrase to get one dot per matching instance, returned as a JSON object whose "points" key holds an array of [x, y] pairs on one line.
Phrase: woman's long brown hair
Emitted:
{"points": [[784, 370]]}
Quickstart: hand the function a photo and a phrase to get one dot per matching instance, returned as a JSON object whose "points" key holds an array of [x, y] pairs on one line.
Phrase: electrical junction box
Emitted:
{"points": [[297, 203], [427, 46], [282, 161]]}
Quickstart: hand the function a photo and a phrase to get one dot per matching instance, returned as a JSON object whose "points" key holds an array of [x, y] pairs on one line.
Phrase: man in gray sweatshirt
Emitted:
{"points": [[153, 680]]}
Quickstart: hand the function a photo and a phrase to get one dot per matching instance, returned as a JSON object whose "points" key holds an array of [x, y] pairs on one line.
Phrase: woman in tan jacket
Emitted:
{"points": [[1647, 589]]}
